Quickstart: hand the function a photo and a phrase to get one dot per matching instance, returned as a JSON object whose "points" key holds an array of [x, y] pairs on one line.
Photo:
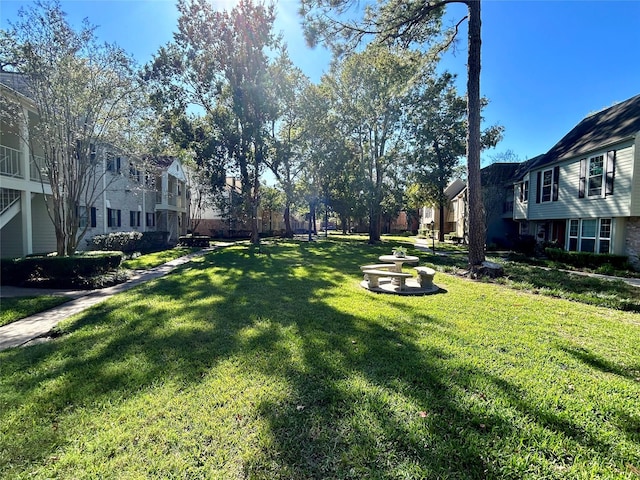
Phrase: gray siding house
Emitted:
{"points": [[584, 194]]}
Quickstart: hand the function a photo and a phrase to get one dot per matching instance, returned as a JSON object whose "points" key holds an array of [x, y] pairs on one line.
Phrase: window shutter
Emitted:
{"points": [[556, 176], [94, 221], [118, 165], [583, 178], [119, 218], [611, 172], [538, 187]]}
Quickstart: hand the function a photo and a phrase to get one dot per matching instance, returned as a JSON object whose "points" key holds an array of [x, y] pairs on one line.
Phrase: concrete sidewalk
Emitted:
{"points": [[26, 330]]}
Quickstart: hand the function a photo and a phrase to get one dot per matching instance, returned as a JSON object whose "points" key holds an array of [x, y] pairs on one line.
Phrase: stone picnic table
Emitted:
{"points": [[398, 261]]}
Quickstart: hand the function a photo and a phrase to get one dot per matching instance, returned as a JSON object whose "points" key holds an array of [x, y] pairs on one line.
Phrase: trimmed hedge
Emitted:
{"points": [[58, 270], [587, 259], [201, 241], [129, 242], [121, 241]]}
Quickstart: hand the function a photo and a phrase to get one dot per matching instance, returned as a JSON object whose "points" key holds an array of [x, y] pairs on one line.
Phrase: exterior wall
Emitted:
{"points": [[635, 176], [458, 212], [44, 235], [632, 241], [569, 205], [521, 208], [122, 193], [11, 238], [427, 215]]}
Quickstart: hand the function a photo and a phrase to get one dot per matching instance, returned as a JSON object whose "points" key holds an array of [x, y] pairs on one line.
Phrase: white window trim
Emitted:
{"points": [[602, 175], [597, 237], [542, 200]]}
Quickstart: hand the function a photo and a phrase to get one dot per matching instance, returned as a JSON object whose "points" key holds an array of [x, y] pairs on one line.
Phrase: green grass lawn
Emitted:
{"points": [[12, 309], [151, 260], [278, 365]]}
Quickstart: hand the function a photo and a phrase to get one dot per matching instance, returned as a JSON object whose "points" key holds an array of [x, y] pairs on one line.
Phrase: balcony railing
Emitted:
{"points": [[38, 170], [10, 162], [7, 198], [172, 199]]}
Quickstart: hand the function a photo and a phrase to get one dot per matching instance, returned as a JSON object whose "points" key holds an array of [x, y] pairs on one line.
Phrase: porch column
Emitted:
{"points": [[25, 195], [24, 146], [27, 226]]}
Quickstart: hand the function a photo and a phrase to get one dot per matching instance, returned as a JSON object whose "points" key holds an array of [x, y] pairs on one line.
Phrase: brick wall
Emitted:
{"points": [[632, 242]]}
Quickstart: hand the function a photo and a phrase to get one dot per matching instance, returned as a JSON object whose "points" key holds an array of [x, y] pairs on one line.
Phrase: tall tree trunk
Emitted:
{"points": [[441, 220], [288, 233], [326, 214], [476, 217], [255, 192], [311, 217]]}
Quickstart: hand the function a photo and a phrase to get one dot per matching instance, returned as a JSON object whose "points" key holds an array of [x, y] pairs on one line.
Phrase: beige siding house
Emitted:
{"points": [[453, 212]]}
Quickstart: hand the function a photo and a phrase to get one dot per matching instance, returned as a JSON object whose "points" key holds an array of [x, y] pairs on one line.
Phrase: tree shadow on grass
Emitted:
{"points": [[602, 364], [366, 398]]}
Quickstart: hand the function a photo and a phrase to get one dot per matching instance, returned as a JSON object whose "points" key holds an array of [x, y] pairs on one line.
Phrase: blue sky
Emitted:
{"points": [[546, 64]]}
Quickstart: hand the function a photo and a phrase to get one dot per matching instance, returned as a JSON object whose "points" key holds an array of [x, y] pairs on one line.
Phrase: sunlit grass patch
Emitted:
{"points": [[274, 363], [151, 260], [15, 308]]}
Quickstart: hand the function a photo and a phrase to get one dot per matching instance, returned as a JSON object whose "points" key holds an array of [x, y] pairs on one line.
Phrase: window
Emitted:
{"points": [[547, 185], [113, 164], [151, 220], [524, 191], [87, 217], [134, 218], [590, 235], [134, 173], [596, 175], [594, 180], [573, 235], [113, 217], [605, 235]]}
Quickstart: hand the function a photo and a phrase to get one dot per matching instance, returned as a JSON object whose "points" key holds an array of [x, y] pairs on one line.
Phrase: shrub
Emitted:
{"points": [[525, 244], [194, 241], [122, 241], [153, 241], [588, 259], [129, 242], [59, 271]]}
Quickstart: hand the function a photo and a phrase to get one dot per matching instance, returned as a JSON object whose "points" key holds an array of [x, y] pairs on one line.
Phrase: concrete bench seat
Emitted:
{"points": [[373, 276], [379, 266], [425, 276]]}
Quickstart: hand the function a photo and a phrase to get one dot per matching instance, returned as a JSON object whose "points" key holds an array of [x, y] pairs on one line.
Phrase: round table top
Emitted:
{"points": [[393, 258]]}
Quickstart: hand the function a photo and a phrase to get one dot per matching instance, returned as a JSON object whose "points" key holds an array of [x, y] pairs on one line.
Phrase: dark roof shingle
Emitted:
{"points": [[599, 130], [15, 81]]}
